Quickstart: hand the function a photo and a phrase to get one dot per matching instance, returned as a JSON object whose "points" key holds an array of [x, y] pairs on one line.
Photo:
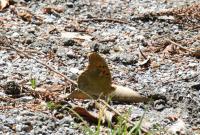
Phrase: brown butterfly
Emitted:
{"points": [[96, 79]]}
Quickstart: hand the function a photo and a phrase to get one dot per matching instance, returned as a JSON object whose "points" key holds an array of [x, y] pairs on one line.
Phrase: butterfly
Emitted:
{"points": [[96, 79]]}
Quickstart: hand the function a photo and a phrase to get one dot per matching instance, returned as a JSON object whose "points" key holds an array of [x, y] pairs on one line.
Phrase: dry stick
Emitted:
{"points": [[103, 20], [50, 68], [179, 45]]}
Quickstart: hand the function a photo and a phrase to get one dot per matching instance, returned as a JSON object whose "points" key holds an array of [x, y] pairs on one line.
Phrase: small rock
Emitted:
{"points": [[26, 98], [12, 88], [10, 121], [74, 70], [50, 19], [70, 5], [68, 42], [139, 37], [1, 128], [65, 120], [159, 105], [29, 41], [104, 49], [18, 127], [27, 113], [19, 118], [2, 94], [15, 35], [124, 59], [71, 54], [61, 52], [2, 117], [27, 127], [192, 64]]}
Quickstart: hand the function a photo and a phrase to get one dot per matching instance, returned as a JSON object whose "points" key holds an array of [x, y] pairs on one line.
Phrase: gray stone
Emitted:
{"points": [[27, 113], [15, 35], [26, 98], [19, 127]]}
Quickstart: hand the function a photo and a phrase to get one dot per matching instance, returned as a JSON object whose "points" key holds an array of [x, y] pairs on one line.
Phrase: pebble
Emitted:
{"points": [[27, 113], [15, 35], [74, 70], [18, 127], [70, 54], [26, 98], [70, 4], [2, 94], [68, 42]]}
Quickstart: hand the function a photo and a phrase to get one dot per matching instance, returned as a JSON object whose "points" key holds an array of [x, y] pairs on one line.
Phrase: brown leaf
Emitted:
{"points": [[47, 10], [155, 64], [26, 16], [3, 4], [92, 117], [196, 53], [30, 17], [102, 114]]}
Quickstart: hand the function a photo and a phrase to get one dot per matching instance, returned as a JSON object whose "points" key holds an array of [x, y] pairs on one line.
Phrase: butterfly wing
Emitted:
{"points": [[96, 79]]}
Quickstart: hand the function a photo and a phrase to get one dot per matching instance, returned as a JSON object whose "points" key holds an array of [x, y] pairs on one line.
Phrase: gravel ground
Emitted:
{"points": [[38, 31]]}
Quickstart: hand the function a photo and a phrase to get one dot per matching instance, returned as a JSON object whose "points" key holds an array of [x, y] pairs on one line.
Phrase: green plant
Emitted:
{"points": [[51, 105], [33, 83]]}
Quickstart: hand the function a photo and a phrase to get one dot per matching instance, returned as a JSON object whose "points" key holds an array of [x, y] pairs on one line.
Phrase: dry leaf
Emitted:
{"points": [[169, 49], [196, 53], [103, 115], [26, 16], [125, 94], [155, 64], [30, 17], [89, 116], [3, 4]]}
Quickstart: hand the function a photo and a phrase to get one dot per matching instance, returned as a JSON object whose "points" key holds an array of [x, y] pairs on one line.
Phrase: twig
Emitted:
{"points": [[179, 45], [50, 68], [103, 20], [107, 40]]}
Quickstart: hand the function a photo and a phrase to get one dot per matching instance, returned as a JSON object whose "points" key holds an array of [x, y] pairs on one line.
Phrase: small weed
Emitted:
{"points": [[53, 106], [33, 83]]}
